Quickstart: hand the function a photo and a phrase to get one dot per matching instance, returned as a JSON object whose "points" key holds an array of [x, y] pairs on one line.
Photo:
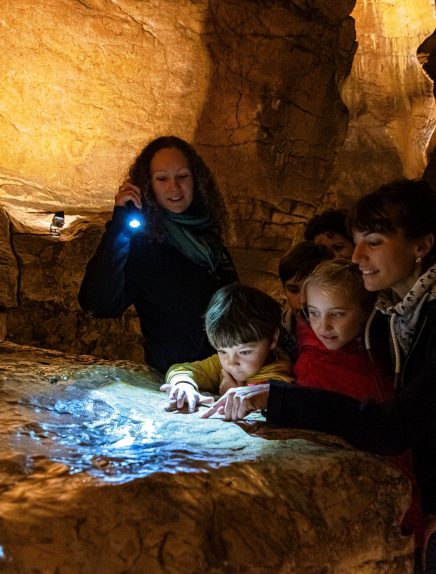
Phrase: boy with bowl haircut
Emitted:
{"points": [[243, 325]]}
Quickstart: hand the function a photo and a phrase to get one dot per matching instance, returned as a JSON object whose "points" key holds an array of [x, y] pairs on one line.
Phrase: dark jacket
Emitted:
{"points": [[170, 292], [408, 421]]}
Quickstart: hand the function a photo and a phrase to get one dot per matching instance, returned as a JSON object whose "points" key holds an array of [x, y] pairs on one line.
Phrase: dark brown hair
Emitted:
{"points": [[240, 314], [329, 221], [406, 205], [302, 260]]}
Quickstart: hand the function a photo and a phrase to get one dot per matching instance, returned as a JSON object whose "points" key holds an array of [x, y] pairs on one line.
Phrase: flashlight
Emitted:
{"points": [[135, 218]]}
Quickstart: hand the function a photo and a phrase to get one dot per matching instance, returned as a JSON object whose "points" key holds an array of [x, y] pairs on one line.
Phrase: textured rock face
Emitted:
{"points": [[389, 97], [256, 86], [87, 83], [97, 478], [8, 265], [44, 275]]}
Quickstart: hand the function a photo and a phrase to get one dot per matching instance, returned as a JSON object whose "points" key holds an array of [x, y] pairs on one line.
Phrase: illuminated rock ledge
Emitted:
{"points": [[96, 478]]}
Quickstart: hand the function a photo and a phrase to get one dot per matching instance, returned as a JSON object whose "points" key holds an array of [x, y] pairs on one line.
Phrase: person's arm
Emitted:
{"points": [[371, 426], [103, 289], [382, 428], [204, 375]]}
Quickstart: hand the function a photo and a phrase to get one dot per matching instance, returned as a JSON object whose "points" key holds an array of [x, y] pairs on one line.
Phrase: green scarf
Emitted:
{"points": [[192, 235]]}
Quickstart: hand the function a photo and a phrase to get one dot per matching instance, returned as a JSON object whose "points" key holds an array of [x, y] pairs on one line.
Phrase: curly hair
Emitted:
{"points": [[206, 190]]}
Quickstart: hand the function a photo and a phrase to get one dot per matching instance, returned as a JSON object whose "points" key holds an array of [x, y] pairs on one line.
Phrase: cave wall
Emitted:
{"points": [[261, 87], [389, 96]]}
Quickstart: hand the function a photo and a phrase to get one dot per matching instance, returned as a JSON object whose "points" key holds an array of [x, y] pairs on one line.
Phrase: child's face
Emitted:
{"points": [[338, 244], [245, 360], [292, 289], [334, 317]]}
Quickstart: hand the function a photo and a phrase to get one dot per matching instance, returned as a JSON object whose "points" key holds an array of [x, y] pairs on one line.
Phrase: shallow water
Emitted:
{"points": [[102, 418]]}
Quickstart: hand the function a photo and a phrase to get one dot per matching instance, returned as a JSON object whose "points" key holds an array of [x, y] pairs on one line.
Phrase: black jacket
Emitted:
{"points": [[383, 428], [170, 293]]}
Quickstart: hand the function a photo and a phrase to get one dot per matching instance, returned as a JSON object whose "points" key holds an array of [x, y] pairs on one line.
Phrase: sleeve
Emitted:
{"points": [[103, 291], [229, 270], [383, 428], [367, 425], [204, 375], [280, 370]]}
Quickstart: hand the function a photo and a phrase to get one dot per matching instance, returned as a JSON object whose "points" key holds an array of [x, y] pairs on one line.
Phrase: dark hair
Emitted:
{"points": [[343, 276], [302, 260], [206, 191], [329, 221], [240, 314], [408, 205]]}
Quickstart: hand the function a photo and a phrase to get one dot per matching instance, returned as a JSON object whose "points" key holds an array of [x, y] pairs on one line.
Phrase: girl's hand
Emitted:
{"points": [[128, 192]]}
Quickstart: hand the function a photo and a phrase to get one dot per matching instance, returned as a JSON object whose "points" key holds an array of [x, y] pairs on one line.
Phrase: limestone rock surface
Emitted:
{"points": [[389, 96], [8, 265], [96, 478], [254, 85], [45, 274]]}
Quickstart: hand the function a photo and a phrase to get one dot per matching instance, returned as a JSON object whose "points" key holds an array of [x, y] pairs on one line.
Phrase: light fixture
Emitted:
{"points": [[57, 223]]}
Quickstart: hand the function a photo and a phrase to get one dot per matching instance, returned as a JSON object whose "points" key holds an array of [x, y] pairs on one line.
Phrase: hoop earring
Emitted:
{"points": [[418, 260]]}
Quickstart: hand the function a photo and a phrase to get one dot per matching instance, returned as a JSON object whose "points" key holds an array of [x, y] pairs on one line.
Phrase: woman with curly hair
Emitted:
{"points": [[170, 265]]}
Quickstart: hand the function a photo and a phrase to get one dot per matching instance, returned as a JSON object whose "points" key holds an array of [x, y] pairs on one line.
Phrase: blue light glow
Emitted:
{"points": [[134, 223]]}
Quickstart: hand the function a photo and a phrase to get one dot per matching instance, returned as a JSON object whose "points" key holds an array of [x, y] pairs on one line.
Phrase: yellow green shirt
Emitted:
{"points": [[206, 375]]}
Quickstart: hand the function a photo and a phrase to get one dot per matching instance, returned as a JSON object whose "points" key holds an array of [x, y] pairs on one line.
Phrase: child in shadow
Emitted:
{"points": [[294, 267]]}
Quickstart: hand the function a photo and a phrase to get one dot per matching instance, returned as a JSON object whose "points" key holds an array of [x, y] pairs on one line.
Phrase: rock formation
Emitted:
{"points": [[254, 85], [97, 478], [261, 88], [389, 97]]}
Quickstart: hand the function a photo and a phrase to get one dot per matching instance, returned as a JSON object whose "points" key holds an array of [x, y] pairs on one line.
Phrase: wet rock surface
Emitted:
{"points": [[96, 477]]}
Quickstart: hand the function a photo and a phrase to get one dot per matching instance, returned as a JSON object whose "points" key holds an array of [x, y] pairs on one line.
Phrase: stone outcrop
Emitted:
{"points": [[96, 477], [8, 265], [389, 97], [41, 278], [254, 85]]}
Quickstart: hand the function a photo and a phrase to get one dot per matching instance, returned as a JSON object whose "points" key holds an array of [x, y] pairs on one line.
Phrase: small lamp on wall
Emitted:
{"points": [[57, 223]]}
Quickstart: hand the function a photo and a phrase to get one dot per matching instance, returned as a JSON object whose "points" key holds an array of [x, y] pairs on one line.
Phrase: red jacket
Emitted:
{"points": [[351, 371]]}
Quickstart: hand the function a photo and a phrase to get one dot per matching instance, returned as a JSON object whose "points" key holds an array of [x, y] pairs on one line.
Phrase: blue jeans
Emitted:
{"points": [[430, 558]]}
